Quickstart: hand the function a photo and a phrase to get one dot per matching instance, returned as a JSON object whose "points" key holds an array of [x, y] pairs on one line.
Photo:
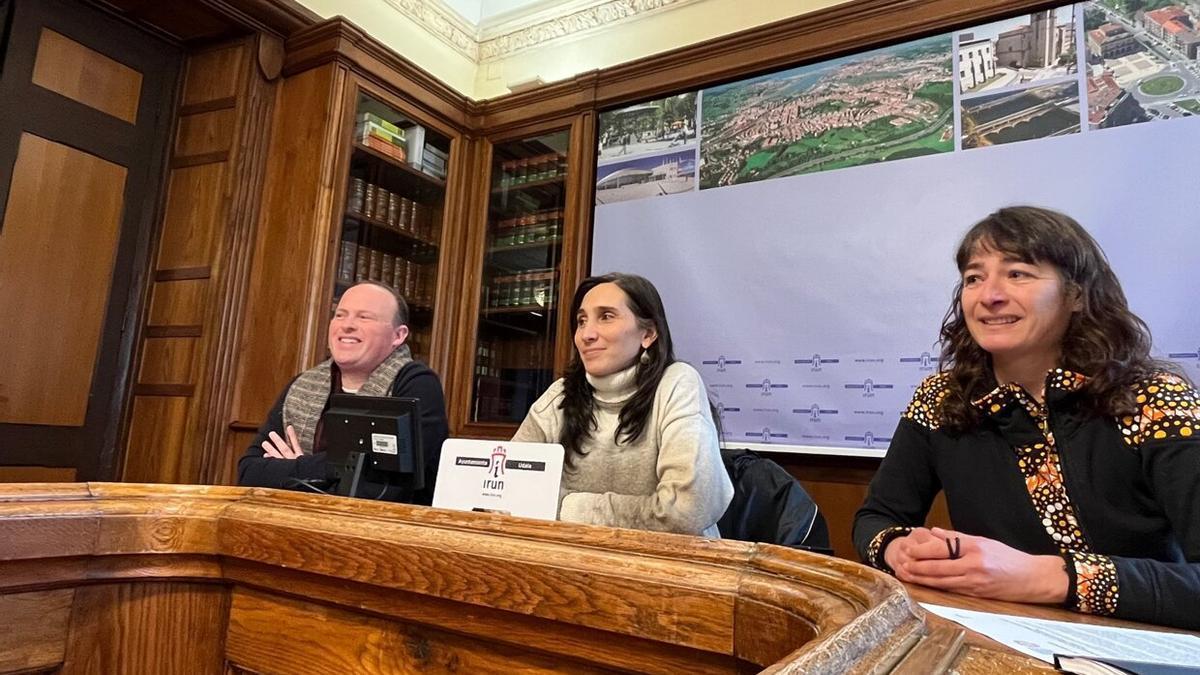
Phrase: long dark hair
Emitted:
{"points": [[578, 405], [1104, 340]]}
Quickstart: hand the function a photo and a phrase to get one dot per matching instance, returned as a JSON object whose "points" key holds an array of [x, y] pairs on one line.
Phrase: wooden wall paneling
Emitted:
{"points": [[191, 328], [212, 75], [36, 474], [247, 178], [206, 133], [82, 74], [148, 627], [169, 360], [286, 303], [352, 643], [56, 188], [160, 449], [178, 303], [154, 445], [35, 636], [191, 224]]}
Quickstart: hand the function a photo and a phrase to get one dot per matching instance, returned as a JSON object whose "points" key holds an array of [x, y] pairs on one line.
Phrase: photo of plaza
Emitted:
{"points": [[649, 176], [1036, 112], [648, 127], [886, 104], [1142, 63], [1012, 52]]}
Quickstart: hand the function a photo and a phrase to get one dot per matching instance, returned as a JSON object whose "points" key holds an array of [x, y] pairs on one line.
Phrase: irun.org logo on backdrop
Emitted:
{"points": [[869, 386], [815, 363], [721, 362], [869, 439]]}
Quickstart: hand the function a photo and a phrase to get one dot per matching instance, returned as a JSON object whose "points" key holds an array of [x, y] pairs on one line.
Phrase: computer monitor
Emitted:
{"points": [[373, 444]]}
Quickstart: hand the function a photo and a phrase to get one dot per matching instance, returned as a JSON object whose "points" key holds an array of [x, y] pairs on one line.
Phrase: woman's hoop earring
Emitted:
{"points": [[645, 357]]}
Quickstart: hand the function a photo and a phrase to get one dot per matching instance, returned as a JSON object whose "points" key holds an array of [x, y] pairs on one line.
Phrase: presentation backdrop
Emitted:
{"points": [[801, 226]]}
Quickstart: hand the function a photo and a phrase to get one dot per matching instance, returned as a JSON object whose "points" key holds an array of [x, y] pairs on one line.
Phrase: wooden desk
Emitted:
{"points": [[117, 578], [981, 654]]}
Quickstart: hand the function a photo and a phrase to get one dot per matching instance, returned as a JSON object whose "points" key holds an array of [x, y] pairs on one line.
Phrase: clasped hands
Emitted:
{"points": [[983, 567]]}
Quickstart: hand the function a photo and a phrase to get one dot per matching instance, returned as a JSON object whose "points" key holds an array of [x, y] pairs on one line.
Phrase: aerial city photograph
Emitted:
{"points": [[1142, 61], [884, 105], [1045, 74]]}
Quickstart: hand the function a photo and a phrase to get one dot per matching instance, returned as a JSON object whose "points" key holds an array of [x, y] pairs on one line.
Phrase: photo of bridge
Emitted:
{"points": [[1037, 112]]}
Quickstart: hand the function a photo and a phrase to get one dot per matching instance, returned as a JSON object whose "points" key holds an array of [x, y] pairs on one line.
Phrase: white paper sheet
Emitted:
{"points": [[1042, 639]]}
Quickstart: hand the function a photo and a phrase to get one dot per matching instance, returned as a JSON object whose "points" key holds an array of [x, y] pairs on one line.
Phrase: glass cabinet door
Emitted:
{"points": [[514, 348], [392, 223]]}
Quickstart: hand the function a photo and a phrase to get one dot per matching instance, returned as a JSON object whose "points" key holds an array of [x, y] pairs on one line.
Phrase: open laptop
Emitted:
{"points": [[520, 479]]}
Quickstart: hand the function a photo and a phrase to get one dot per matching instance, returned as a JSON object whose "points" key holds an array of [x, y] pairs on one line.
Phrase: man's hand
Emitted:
{"points": [[278, 448], [985, 567]]}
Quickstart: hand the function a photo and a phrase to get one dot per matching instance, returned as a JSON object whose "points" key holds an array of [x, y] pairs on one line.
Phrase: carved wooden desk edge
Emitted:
{"points": [[785, 610]]}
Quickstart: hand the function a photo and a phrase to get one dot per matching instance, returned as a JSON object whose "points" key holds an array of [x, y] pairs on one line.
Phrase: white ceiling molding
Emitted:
{"points": [[525, 28], [442, 21], [538, 28]]}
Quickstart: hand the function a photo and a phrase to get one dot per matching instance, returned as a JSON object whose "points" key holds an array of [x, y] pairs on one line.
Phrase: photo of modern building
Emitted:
{"points": [[1008, 117], [648, 176], [1027, 48]]}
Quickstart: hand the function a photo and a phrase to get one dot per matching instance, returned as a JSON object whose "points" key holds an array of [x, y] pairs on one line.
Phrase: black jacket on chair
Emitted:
{"points": [[769, 505]]}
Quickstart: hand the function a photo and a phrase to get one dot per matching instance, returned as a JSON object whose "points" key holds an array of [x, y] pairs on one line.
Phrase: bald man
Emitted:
{"points": [[367, 337]]}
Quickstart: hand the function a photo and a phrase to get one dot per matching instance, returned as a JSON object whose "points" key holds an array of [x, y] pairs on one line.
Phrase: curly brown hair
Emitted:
{"points": [[1104, 340]]}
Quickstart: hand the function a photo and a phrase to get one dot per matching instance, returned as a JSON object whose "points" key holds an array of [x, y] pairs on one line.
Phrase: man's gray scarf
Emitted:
{"points": [[307, 396]]}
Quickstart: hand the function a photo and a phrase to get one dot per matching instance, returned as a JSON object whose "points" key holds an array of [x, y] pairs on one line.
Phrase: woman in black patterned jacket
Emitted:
{"points": [[1069, 457]]}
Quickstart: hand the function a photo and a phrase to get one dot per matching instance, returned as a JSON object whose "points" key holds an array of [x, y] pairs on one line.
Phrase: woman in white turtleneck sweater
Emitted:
{"points": [[642, 449]]}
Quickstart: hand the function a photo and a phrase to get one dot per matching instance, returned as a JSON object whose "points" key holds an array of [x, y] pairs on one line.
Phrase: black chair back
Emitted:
{"points": [[770, 506]]}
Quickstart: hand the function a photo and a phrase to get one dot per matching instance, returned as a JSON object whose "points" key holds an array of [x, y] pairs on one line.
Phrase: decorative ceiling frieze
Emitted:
{"points": [[600, 15], [439, 20], [525, 29]]}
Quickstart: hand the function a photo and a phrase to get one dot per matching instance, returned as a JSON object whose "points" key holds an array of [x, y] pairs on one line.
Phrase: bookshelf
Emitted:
{"points": [[521, 294], [392, 222]]}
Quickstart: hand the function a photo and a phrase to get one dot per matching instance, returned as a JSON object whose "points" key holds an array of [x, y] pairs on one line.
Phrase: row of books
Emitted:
{"points": [[403, 144], [531, 288], [516, 172], [390, 209], [434, 161], [412, 280], [382, 136], [529, 228], [492, 356]]}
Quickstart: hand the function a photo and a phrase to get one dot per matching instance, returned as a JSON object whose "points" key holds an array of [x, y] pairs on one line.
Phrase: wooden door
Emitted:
{"points": [[86, 103]]}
